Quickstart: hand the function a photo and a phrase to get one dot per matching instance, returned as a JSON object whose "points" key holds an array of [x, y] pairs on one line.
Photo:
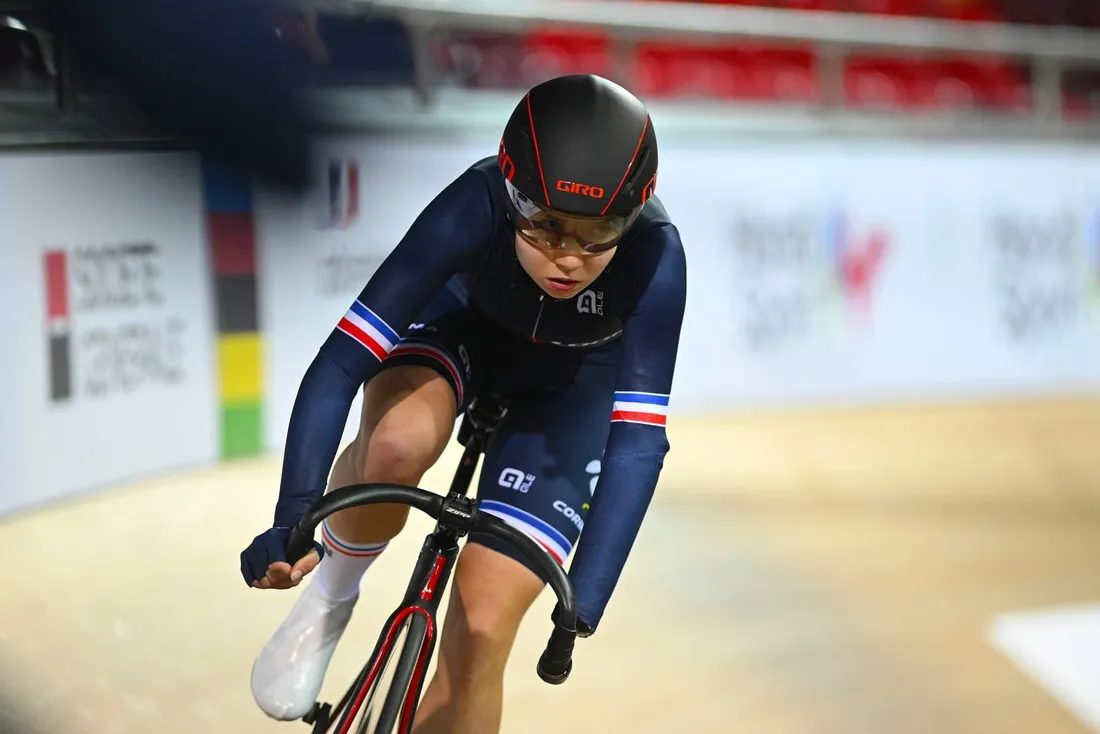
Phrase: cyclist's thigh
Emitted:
{"points": [[407, 403], [409, 406], [444, 339], [406, 421], [541, 466], [431, 363]]}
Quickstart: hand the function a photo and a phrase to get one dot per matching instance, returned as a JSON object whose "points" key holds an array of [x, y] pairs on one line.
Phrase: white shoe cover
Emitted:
{"points": [[289, 671]]}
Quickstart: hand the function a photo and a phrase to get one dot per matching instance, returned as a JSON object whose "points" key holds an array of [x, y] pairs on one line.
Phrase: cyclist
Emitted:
{"points": [[550, 274]]}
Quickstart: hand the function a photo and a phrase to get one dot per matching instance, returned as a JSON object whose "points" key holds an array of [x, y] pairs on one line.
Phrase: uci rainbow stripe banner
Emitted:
{"points": [[231, 231]]}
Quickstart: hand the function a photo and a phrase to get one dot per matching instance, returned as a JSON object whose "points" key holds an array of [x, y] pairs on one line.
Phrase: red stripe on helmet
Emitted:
{"points": [[538, 159], [628, 167]]}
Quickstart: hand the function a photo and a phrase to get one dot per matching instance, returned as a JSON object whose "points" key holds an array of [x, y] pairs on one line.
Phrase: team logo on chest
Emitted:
{"points": [[590, 302]]}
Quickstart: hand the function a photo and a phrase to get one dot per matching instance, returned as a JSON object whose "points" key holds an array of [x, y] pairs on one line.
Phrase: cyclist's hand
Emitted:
{"points": [[264, 564]]}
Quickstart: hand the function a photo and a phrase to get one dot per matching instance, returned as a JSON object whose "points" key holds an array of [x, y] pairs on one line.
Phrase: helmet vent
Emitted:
{"points": [[528, 148], [639, 166]]}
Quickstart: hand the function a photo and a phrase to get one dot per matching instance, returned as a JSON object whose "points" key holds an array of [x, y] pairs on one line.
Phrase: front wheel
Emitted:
{"points": [[380, 709]]}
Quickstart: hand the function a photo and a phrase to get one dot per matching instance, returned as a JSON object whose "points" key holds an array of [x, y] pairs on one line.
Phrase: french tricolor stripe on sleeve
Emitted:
{"points": [[640, 407], [365, 327]]}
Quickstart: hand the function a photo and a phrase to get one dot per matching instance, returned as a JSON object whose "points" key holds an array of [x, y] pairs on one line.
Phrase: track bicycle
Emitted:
{"points": [[371, 706]]}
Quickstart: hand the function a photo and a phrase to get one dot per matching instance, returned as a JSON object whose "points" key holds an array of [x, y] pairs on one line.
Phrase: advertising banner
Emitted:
{"points": [[804, 266], [819, 272], [882, 272], [1031, 312], [316, 254], [108, 268]]}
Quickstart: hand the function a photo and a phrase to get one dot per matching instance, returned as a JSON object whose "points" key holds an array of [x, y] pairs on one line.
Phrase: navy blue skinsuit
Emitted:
{"points": [[588, 377]]}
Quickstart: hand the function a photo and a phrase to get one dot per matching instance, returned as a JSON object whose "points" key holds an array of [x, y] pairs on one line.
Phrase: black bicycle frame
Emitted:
{"points": [[428, 584]]}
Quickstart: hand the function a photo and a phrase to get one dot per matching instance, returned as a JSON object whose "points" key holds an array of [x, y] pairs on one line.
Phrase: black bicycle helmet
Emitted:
{"points": [[580, 145]]}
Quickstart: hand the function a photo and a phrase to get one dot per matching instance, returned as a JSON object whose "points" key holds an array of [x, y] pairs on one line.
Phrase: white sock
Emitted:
{"points": [[340, 571]]}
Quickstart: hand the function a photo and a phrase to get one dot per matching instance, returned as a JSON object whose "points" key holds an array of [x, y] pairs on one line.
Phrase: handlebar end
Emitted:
{"points": [[554, 673]]}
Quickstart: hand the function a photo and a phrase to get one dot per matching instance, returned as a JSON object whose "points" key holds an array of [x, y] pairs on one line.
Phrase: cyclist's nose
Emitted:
{"points": [[569, 262]]}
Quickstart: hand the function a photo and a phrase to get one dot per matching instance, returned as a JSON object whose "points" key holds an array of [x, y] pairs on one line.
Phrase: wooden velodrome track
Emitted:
{"points": [[836, 571]]}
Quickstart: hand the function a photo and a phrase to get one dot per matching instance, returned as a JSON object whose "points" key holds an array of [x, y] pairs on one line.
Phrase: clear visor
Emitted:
{"points": [[551, 229]]}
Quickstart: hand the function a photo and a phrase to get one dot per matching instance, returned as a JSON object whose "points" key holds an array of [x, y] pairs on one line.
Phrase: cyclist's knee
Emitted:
{"points": [[408, 417], [407, 439], [397, 452]]}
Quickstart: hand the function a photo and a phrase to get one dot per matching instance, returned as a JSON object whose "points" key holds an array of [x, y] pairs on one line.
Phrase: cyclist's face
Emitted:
{"points": [[562, 273]]}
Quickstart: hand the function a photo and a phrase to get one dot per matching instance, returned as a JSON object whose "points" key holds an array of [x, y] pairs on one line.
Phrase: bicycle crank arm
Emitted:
{"points": [[319, 716]]}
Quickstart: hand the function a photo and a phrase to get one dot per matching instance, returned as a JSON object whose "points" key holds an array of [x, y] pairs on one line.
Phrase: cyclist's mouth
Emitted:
{"points": [[562, 284]]}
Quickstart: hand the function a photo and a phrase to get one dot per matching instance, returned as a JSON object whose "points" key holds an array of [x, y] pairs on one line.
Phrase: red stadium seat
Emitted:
{"points": [[785, 74], [904, 8], [763, 72], [957, 83], [881, 82], [963, 10], [551, 53], [682, 71], [805, 4], [748, 73]]}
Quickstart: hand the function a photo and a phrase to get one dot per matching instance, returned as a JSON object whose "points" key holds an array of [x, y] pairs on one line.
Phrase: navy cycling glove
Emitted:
{"points": [[266, 548]]}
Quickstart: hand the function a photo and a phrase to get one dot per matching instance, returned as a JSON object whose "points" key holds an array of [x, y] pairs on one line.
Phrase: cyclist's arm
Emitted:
{"points": [[637, 444], [454, 227]]}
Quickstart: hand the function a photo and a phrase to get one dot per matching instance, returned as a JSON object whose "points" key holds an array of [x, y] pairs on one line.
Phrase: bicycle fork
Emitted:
{"points": [[422, 597]]}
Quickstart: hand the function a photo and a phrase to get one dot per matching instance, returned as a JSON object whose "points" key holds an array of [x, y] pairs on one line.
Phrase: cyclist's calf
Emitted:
{"points": [[489, 599], [408, 417]]}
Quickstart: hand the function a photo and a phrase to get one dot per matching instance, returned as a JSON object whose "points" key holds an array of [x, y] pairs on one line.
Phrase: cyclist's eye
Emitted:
{"points": [[550, 225]]}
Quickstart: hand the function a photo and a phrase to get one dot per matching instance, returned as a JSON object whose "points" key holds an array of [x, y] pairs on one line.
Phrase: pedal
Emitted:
{"points": [[318, 715]]}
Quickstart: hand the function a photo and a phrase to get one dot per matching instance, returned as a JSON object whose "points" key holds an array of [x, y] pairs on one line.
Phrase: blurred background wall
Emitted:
{"points": [[891, 210], [884, 201]]}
